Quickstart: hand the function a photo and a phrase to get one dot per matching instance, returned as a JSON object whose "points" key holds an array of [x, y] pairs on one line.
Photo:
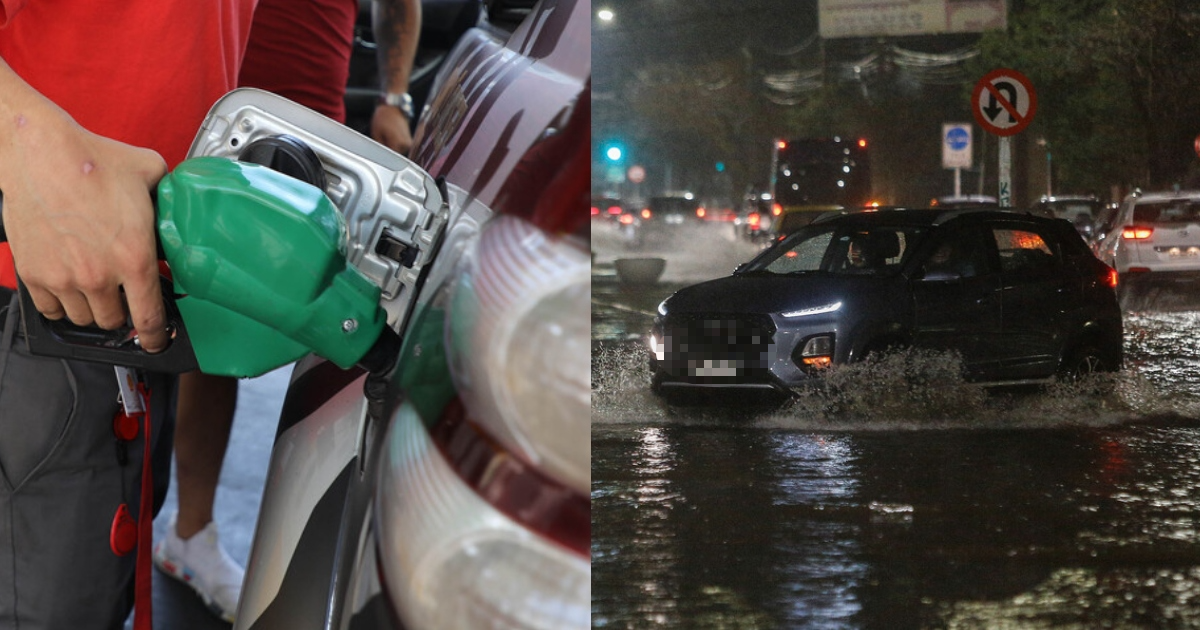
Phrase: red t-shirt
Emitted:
{"points": [[312, 73], [144, 72]]}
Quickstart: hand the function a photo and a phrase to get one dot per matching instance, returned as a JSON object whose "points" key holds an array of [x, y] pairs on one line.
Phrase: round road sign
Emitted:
{"points": [[1004, 102], [958, 138]]}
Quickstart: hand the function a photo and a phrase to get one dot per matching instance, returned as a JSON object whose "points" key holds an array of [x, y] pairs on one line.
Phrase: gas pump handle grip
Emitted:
{"points": [[62, 339]]}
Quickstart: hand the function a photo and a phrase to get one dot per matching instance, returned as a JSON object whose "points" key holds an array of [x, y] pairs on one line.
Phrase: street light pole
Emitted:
{"points": [[1046, 145], [1049, 174]]}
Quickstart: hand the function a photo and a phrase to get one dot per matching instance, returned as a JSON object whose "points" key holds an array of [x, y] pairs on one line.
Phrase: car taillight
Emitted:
{"points": [[614, 210], [754, 220], [626, 219], [1136, 232], [645, 213], [483, 512], [520, 334], [451, 560], [700, 212], [595, 211], [776, 209], [1111, 277]]}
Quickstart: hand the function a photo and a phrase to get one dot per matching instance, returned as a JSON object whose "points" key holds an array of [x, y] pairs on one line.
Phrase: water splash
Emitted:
{"points": [[908, 390], [621, 386]]}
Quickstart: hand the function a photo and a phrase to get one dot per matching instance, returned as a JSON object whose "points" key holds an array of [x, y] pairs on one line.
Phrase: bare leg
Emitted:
{"points": [[202, 427]]}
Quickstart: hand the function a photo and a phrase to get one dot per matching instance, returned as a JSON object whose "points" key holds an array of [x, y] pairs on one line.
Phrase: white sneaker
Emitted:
{"points": [[201, 563]]}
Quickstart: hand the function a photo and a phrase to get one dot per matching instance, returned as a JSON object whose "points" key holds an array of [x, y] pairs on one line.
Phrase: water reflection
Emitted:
{"points": [[904, 498], [701, 527], [1164, 347], [815, 479]]}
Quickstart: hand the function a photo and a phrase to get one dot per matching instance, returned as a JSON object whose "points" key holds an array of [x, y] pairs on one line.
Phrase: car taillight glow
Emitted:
{"points": [[700, 212], [1136, 232], [520, 339], [626, 219], [595, 211], [776, 209], [450, 559], [754, 220], [614, 210], [1112, 278], [645, 213]]}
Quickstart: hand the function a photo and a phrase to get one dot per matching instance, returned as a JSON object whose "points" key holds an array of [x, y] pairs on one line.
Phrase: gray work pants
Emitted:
{"points": [[61, 481]]}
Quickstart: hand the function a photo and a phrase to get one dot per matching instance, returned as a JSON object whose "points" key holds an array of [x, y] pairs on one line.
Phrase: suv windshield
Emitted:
{"points": [[846, 249], [1175, 211]]}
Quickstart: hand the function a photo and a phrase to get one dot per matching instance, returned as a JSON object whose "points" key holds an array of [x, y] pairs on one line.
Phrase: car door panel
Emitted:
{"points": [[962, 313], [1037, 295]]}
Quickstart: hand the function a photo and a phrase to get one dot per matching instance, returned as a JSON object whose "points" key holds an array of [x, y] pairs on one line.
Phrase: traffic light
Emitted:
{"points": [[613, 152]]}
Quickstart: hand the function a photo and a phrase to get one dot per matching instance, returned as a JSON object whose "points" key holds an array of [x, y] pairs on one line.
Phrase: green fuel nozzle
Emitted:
{"points": [[258, 261]]}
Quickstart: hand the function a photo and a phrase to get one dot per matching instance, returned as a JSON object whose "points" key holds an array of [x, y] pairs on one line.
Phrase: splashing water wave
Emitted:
{"points": [[906, 390]]}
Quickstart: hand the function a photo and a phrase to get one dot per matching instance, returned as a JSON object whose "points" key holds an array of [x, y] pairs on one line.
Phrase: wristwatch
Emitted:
{"points": [[402, 102]]}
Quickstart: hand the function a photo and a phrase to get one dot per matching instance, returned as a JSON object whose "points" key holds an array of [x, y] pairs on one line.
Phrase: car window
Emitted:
{"points": [[1024, 251], [1072, 210], [1168, 212], [844, 250], [804, 254], [954, 255]]}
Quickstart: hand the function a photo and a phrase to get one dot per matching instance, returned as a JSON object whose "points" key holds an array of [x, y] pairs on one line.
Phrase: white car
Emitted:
{"points": [[1155, 243]]}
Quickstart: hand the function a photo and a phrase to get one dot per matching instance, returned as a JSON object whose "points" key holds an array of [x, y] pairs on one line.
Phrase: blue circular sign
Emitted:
{"points": [[958, 138]]}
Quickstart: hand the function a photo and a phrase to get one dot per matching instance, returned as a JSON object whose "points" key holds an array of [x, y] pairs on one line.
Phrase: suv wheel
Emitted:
{"points": [[1084, 360]]}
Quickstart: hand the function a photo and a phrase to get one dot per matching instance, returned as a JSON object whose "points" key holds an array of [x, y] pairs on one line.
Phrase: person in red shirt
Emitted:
{"points": [[97, 101], [299, 50]]}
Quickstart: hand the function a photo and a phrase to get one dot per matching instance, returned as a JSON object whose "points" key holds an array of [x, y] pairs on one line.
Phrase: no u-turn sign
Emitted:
{"points": [[1004, 102]]}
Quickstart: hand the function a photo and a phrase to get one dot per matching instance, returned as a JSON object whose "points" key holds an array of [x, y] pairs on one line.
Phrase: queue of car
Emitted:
{"points": [[657, 220], [1081, 210]]}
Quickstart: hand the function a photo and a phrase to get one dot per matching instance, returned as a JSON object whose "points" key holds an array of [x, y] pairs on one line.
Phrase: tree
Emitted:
{"points": [[1114, 80]]}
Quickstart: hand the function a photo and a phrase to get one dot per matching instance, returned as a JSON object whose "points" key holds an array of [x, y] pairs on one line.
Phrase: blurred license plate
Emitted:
{"points": [[716, 367]]}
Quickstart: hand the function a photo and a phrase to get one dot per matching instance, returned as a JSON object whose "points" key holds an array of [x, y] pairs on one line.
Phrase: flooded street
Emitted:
{"points": [[900, 497]]}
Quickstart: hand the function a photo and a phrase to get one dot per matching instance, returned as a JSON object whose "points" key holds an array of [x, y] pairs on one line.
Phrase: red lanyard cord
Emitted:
{"points": [[122, 537]]}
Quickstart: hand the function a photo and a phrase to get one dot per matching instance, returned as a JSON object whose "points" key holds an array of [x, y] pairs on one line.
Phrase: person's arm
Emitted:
{"points": [[79, 216], [397, 26]]}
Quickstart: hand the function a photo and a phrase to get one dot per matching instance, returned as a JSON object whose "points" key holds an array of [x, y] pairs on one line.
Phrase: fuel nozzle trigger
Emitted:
{"points": [[62, 339]]}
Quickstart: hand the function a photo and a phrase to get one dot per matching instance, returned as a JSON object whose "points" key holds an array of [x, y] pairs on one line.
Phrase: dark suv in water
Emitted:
{"points": [[1019, 297]]}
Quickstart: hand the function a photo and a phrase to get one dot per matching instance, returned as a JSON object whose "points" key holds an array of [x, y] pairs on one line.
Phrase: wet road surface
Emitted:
{"points": [[903, 498]]}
